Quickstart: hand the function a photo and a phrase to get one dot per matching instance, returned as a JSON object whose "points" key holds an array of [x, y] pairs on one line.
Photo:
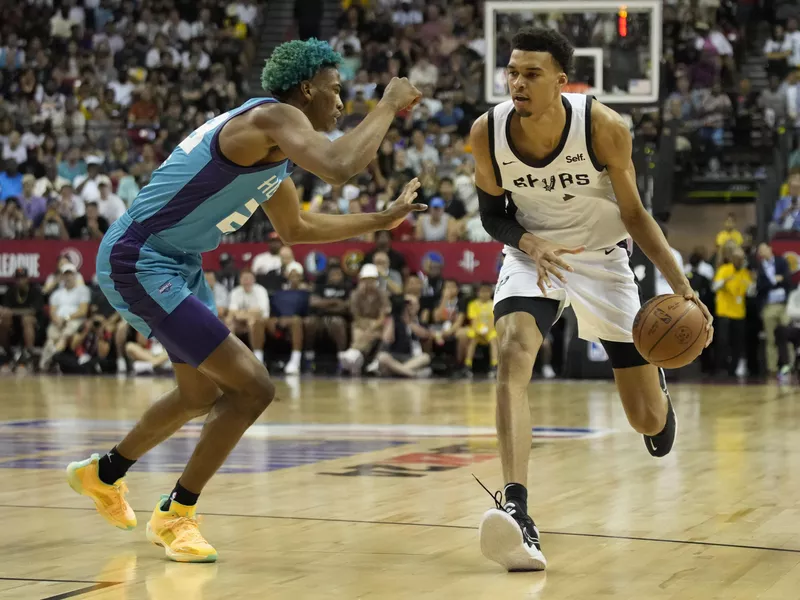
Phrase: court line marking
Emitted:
{"points": [[80, 592], [37, 580], [604, 536]]}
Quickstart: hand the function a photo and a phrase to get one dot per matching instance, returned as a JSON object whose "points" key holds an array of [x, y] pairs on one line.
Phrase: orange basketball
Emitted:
{"points": [[669, 331]]}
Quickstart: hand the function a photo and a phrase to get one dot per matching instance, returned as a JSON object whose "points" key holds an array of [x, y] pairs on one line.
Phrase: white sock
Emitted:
{"points": [[296, 356], [259, 355]]}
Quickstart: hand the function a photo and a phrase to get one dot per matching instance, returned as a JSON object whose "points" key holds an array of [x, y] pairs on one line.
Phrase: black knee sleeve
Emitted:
{"points": [[544, 310], [623, 355]]}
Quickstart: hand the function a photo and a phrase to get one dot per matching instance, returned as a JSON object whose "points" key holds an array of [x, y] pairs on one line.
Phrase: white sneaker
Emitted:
{"points": [[504, 541], [741, 368], [292, 368], [140, 367], [548, 372]]}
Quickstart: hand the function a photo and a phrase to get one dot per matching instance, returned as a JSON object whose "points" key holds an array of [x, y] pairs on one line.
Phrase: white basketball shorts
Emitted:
{"points": [[602, 290]]}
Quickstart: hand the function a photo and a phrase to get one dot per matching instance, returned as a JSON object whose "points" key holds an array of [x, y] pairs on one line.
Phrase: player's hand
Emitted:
{"points": [[547, 256], [399, 209], [691, 295], [400, 94]]}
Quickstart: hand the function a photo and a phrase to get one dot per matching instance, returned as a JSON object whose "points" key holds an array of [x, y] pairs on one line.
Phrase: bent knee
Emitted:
{"points": [[255, 392], [515, 351]]}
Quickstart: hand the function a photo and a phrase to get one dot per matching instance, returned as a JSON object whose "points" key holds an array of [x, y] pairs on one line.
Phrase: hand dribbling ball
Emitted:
{"points": [[669, 331]]}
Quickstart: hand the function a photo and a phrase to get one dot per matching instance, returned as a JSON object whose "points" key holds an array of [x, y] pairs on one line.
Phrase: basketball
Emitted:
{"points": [[669, 331]]}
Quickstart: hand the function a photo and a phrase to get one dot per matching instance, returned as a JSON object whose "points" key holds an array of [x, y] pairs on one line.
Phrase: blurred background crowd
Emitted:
{"points": [[95, 94]]}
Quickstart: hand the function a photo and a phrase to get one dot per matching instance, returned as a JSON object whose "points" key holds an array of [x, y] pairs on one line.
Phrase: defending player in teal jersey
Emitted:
{"points": [[149, 267]]}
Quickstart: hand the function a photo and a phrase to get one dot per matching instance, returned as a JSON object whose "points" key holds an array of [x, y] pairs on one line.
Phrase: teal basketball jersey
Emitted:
{"points": [[197, 195]]}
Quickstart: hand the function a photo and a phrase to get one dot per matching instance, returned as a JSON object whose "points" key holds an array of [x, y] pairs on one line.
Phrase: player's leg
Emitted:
{"points": [[640, 387], [295, 326], [101, 478], [193, 333], [257, 330], [472, 344], [493, 352], [508, 535], [605, 298]]}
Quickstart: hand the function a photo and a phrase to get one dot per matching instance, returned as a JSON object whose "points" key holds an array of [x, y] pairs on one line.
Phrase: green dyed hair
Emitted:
{"points": [[296, 61]]}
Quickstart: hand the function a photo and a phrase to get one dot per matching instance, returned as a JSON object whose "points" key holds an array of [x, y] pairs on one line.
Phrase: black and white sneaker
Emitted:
{"points": [[510, 538], [660, 445]]}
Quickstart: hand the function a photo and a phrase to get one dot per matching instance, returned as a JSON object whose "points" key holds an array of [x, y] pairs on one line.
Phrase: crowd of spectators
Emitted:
{"points": [[94, 94]]}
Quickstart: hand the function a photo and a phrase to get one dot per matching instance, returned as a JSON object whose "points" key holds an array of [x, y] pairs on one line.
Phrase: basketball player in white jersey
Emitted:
{"points": [[556, 184]]}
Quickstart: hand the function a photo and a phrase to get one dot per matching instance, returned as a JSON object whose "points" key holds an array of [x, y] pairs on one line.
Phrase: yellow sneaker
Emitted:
{"points": [[83, 477], [177, 531]]}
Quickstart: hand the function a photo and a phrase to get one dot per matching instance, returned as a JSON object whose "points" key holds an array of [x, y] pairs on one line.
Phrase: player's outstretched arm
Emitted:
{"points": [[339, 160], [504, 227], [298, 227], [613, 147]]}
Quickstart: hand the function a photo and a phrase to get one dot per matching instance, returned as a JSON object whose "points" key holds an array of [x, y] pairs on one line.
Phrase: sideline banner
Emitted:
{"points": [[463, 261]]}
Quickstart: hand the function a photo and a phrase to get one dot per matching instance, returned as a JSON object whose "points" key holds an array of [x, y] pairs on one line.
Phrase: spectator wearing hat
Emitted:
{"points": [[21, 308], [248, 311], [10, 180], [32, 205], [269, 261], [87, 185], [369, 306], [435, 225], [91, 226], [291, 307], [110, 205], [69, 306]]}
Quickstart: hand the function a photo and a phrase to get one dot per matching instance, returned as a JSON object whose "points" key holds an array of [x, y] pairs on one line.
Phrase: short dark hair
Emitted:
{"points": [[542, 39]]}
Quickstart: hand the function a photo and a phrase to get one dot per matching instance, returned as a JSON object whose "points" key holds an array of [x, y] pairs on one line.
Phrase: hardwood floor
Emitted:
{"points": [[363, 489]]}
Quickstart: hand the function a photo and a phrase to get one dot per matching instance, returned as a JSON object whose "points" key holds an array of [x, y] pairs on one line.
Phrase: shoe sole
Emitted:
{"points": [[75, 483], [177, 556], [501, 542]]}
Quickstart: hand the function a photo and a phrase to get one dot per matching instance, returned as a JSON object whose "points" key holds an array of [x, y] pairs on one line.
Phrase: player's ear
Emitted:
{"points": [[562, 79], [306, 90]]}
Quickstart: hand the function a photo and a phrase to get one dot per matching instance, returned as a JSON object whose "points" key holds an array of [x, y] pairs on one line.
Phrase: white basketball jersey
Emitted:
{"points": [[567, 196]]}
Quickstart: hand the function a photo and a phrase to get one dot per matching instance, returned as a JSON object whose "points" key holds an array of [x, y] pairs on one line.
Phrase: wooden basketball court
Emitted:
{"points": [[363, 489]]}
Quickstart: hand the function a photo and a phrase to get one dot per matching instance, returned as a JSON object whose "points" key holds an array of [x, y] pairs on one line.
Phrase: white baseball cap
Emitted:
{"points": [[368, 271], [294, 266]]}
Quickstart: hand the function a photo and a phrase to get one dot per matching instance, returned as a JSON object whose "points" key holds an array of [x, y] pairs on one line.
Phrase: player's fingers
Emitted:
{"points": [[556, 271], [560, 264], [542, 279], [418, 207]]}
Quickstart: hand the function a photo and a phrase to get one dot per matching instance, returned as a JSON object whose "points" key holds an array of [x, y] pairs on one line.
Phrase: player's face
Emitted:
{"points": [[325, 106], [534, 81]]}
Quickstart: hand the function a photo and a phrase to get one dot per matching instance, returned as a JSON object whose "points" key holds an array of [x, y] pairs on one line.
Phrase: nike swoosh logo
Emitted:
{"points": [[609, 251], [652, 445], [509, 162]]}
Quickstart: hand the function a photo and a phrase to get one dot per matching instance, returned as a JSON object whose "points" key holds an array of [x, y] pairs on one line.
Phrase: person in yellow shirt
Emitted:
{"points": [[480, 313], [729, 232], [731, 283]]}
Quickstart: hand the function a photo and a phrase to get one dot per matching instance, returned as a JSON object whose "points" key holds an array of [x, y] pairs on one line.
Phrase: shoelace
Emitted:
{"points": [[186, 530], [118, 504], [497, 496]]}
